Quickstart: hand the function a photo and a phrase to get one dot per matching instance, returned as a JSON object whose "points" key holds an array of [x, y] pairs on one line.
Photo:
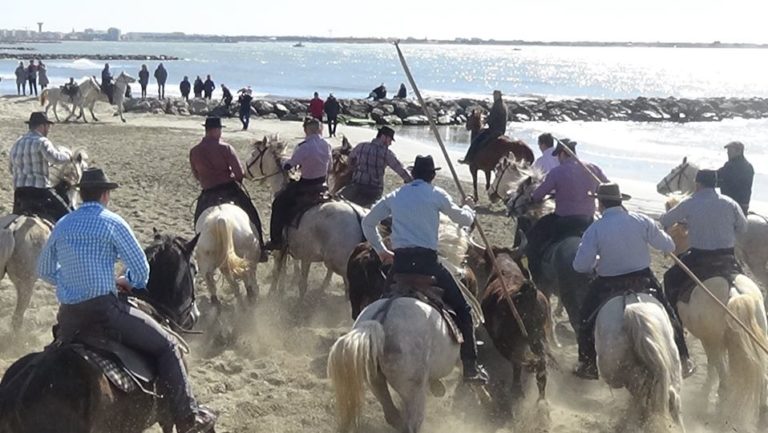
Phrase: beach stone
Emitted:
{"points": [[444, 120], [377, 114], [263, 107], [392, 120], [281, 110], [270, 116], [198, 107], [416, 120], [158, 111], [293, 117]]}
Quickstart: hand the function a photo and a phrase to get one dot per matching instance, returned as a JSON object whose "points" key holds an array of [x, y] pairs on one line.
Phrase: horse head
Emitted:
{"points": [[65, 176], [124, 78], [506, 173], [522, 200], [171, 286], [266, 159], [475, 121], [681, 179]]}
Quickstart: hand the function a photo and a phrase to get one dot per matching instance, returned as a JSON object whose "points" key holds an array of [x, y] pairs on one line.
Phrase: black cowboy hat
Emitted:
{"points": [[563, 143], [707, 178], [96, 179], [423, 164], [38, 118], [609, 191], [389, 132], [213, 123]]}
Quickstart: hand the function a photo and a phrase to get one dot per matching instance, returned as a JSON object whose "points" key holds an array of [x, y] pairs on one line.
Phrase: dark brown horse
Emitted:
{"points": [[489, 156], [531, 352], [58, 391], [341, 172]]}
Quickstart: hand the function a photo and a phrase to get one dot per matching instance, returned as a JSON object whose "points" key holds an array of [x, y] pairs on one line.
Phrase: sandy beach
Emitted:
{"points": [[271, 376]]}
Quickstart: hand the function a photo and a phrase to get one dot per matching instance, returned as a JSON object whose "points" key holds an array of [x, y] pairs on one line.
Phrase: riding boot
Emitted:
{"points": [[473, 372]]}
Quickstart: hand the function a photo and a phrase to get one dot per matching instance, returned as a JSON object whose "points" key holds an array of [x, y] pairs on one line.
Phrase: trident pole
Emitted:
{"points": [[439, 139]]}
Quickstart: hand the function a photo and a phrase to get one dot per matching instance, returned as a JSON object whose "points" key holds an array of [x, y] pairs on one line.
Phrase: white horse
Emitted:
{"points": [[22, 238], [405, 349], [507, 173], [327, 232], [751, 246], [636, 350], [732, 357], [54, 96], [228, 243]]}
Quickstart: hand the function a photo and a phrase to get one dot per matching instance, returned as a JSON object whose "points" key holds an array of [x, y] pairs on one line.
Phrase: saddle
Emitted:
{"points": [[725, 266], [424, 289], [612, 287], [306, 198], [70, 90]]}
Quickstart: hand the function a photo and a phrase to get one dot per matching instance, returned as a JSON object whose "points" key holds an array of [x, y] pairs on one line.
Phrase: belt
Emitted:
{"points": [[642, 273], [711, 253]]}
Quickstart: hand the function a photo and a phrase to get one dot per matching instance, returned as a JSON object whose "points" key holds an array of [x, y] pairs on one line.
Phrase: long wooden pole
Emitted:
{"points": [[479, 228], [698, 281], [581, 163]]}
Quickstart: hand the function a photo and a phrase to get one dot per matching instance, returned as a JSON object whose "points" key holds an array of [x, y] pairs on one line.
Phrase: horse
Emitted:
{"points": [[490, 155], [678, 231], [327, 232], [503, 329], [91, 93], [57, 390], [228, 243], [558, 276], [635, 348], [54, 96], [750, 246], [341, 173], [507, 172], [22, 237]]}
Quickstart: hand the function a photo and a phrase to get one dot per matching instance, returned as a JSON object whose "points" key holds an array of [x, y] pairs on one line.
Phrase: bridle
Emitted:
{"points": [[499, 178], [515, 206], [680, 175], [260, 158]]}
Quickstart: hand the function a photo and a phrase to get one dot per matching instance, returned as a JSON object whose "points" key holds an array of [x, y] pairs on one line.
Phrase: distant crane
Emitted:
{"points": [[39, 27]]}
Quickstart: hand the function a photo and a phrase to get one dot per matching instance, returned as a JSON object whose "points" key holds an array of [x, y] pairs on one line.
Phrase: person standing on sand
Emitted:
{"points": [[332, 108], [32, 77], [208, 88], [21, 80], [547, 161], [42, 76], [144, 80], [736, 176], [184, 88], [161, 75], [227, 99], [106, 82], [245, 107], [316, 108], [198, 87], [402, 93]]}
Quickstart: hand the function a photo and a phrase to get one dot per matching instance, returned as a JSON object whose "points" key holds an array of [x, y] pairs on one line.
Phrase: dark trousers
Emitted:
{"points": [[245, 117], [362, 195], [21, 88], [602, 289], [424, 261], [550, 229], [332, 122], [675, 279], [143, 90], [283, 205], [483, 138], [138, 331], [185, 96], [208, 95], [229, 192], [161, 90], [44, 202], [198, 94], [32, 86]]}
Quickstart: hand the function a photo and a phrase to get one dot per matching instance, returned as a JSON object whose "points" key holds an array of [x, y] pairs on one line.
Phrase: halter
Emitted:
{"points": [[514, 207], [260, 158], [680, 175]]}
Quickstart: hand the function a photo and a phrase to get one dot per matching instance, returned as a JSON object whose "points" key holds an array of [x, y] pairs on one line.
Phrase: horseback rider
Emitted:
{"points": [[497, 126], [547, 161], [106, 82], [574, 207], [415, 209], [71, 89], [616, 246], [368, 161], [79, 259], [736, 176], [218, 169], [713, 222], [313, 156], [30, 157]]}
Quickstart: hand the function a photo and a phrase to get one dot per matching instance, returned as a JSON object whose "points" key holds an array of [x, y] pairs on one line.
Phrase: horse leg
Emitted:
{"points": [[234, 285], [120, 112], [381, 391], [517, 382], [473, 169], [252, 284], [326, 280], [414, 405], [487, 181], [211, 283], [23, 296], [304, 278], [277, 273], [90, 108]]}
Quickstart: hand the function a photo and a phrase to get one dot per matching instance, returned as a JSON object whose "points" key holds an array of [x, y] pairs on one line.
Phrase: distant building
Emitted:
{"points": [[113, 34]]}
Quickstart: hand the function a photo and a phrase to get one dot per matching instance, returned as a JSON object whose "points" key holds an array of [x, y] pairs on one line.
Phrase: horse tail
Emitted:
{"points": [[7, 245], [654, 350], [353, 361], [44, 97], [225, 254], [746, 384]]}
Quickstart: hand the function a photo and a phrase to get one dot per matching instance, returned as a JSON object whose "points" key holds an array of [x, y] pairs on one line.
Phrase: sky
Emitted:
{"points": [[548, 20]]}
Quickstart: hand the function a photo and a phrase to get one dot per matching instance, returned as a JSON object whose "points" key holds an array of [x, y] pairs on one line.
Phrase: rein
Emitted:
{"points": [[680, 175], [260, 158]]}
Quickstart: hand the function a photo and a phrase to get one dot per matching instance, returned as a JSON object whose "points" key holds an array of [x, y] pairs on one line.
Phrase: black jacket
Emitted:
{"points": [[497, 119], [184, 87], [331, 107], [208, 86], [144, 77], [735, 180], [198, 86], [161, 75]]}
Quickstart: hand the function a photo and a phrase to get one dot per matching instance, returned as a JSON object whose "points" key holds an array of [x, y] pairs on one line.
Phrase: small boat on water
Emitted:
{"points": [[298, 45]]}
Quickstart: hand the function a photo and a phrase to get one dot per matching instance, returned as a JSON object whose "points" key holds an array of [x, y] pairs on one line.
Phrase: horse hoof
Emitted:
{"points": [[437, 388]]}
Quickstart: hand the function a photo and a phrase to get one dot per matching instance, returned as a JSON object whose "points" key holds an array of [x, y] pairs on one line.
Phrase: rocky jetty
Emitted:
{"points": [[454, 112], [43, 56]]}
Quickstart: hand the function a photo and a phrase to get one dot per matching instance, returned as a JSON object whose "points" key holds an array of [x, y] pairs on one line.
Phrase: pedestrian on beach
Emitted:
{"points": [[144, 80], [316, 108], [198, 87], [161, 75], [106, 82], [32, 77], [184, 87], [332, 109], [208, 88], [402, 93], [245, 107], [736, 176], [42, 75], [226, 98], [21, 80], [379, 93]]}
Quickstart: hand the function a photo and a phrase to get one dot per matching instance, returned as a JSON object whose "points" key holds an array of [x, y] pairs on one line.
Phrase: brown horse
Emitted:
{"points": [[341, 172], [59, 391], [489, 156], [533, 306]]}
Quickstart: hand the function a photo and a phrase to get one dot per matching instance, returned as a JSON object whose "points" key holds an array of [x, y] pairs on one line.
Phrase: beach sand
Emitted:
{"points": [[270, 377]]}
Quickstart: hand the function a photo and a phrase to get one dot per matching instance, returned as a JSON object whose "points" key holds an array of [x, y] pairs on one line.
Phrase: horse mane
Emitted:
{"points": [[452, 241], [674, 199], [512, 271], [161, 243]]}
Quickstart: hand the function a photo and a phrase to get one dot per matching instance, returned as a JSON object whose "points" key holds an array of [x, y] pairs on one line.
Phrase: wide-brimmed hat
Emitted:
{"points": [[38, 118], [423, 164], [389, 132], [564, 143], [94, 178], [708, 178], [609, 191], [738, 145], [213, 123]]}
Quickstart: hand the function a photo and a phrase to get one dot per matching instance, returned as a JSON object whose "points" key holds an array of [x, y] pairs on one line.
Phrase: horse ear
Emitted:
{"points": [[190, 246], [156, 233], [685, 159]]}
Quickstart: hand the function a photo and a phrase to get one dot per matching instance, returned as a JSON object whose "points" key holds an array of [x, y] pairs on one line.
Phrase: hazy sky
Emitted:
{"points": [[636, 20]]}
